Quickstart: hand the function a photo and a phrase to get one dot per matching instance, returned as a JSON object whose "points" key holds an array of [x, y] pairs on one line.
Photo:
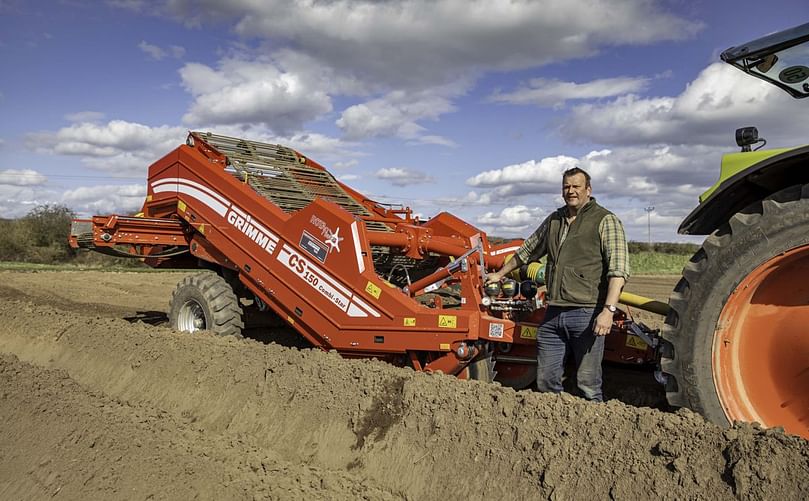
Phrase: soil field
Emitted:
{"points": [[100, 400]]}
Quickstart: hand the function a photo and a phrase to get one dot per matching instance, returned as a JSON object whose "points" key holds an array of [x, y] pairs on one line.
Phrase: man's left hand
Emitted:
{"points": [[603, 323]]}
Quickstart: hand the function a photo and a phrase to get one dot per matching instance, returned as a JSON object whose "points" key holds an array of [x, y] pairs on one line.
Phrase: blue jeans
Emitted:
{"points": [[564, 331]]}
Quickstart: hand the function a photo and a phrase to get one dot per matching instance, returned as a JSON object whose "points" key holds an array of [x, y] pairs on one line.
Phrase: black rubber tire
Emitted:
{"points": [[210, 295], [253, 317], [752, 236]]}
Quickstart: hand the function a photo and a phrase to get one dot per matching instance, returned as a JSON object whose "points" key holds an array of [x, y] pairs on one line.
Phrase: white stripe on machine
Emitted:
{"points": [[326, 285], [200, 195], [357, 250], [503, 251]]}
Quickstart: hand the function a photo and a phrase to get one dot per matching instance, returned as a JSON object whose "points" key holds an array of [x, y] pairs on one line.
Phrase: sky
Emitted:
{"points": [[471, 107]]}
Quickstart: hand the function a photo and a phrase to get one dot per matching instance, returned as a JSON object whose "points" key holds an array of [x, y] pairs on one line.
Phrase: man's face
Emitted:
{"points": [[575, 192]]}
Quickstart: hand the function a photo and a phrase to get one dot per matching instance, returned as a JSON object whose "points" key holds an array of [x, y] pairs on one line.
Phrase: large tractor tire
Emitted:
{"points": [[205, 301], [737, 345]]}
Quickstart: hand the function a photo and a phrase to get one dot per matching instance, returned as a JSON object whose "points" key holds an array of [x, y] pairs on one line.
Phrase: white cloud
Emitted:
{"points": [[528, 177], [397, 114], [707, 112], [402, 177], [402, 53], [624, 179], [127, 148], [111, 199], [132, 5], [158, 53], [118, 146], [22, 177], [254, 92], [437, 140], [85, 116], [430, 41], [549, 92], [319, 147], [345, 164], [510, 220], [626, 171], [17, 201]]}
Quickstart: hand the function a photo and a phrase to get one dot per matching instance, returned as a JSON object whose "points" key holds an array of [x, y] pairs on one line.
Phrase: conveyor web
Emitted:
{"points": [[278, 174]]}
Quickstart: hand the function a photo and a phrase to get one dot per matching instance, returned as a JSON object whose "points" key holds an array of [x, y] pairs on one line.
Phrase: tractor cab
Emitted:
{"points": [[781, 59]]}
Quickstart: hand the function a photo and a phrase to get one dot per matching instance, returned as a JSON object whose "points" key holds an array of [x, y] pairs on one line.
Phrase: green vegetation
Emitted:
{"points": [[38, 241], [655, 263], [666, 258], [683, 249], [38, 237]]}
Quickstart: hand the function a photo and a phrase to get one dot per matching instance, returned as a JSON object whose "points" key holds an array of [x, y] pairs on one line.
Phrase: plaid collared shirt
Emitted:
{"points": [[613, 243]]}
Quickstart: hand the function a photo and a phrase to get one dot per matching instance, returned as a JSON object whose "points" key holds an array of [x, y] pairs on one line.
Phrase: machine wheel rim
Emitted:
{"points": [[760, 353], [191, 317]]}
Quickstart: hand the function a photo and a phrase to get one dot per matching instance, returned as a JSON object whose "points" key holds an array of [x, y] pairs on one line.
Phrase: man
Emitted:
{"points": [[588, 264]]}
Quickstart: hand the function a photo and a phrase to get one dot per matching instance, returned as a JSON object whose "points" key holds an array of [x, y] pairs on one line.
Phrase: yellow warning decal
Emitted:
{"points": [[373, 290], [448, 321], [636, 342], [148, 198], [181, 206], [443, 346], [290, 320], [410, 321], [528, 332], [201, 228]]}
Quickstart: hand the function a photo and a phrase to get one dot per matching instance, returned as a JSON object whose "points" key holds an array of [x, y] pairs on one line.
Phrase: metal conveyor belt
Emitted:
{"points": [[278, 174]]}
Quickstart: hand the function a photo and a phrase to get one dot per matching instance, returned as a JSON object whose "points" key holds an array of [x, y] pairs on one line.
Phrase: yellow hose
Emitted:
{"points": [[644, 303]]}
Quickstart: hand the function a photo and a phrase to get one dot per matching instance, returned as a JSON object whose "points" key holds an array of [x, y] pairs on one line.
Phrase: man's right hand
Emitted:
{"points": [[494, 277]]}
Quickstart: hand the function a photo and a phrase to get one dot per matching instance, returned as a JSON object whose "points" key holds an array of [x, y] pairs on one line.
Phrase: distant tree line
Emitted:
{"points": [[663, 248], [38, 237], [41, 237]]}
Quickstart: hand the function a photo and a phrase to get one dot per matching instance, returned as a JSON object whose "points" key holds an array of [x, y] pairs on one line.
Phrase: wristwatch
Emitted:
{"points": [[611, 307]]}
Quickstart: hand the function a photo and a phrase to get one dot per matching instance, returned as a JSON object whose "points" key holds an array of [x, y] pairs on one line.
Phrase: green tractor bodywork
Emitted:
{"points": [[734, 341], [744, 178], [781, 59]]}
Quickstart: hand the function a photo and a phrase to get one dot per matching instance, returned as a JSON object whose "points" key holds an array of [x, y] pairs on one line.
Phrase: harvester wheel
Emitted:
{"points": [[736, 335], [482, 368], [205, 301]]}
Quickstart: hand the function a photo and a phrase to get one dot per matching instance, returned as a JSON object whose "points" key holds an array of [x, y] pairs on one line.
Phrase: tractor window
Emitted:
{"points": [[781, 59], [790, 67]]}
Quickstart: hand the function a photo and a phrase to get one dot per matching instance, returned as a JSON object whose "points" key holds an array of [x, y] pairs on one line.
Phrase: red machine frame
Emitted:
{"points": [[313, 267]]}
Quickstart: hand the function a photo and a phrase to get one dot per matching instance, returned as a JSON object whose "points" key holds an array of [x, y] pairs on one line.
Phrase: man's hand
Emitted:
{"points": [[603, 323], [494, 277]]}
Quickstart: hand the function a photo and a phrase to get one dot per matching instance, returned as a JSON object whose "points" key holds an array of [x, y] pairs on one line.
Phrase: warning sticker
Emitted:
{"points": [[373, 290], [410, 321], [636, 342], [528, 332], [448, 321]]}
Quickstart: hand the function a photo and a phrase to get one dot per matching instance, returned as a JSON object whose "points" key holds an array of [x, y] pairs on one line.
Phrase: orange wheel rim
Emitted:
{"points": [[761, 345]]}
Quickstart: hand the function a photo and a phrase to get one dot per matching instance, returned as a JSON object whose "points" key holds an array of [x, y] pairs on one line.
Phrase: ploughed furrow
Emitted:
{"points": [[65, 441], [329, 420]]}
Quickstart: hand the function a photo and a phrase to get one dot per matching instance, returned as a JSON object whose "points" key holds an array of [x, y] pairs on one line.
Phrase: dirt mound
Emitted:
{"points": [[60, 438], [208, 412]]}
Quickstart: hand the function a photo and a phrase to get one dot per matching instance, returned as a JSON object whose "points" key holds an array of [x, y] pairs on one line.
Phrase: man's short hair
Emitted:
{"points": [[577, 170]]}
